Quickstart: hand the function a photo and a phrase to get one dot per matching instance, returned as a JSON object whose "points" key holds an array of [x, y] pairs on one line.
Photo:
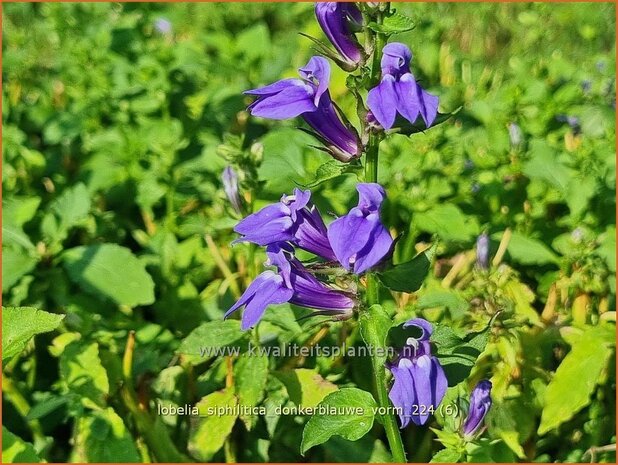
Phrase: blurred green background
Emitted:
{"points": [[118, 120]]}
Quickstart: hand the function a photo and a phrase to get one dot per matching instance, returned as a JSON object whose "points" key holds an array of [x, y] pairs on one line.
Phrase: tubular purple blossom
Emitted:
{"points": [[482, 251], [480, 403], [293, 284], [359, 239], [293, 219], [419, 380], [230, 186], [398, 91], [309, 97], [337, 20]]}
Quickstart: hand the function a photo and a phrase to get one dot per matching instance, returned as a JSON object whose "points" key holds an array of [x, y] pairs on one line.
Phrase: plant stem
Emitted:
{"points": [[372, 295]]}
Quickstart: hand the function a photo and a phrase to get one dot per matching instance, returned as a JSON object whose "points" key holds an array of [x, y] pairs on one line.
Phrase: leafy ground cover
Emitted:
{"points": [[117, 264]]}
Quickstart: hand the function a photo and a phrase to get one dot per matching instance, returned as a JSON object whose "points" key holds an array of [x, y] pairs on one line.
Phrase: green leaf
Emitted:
{"points": [[393, 24], [575, 379], [66, 211], [205, 341], [448, 222], [16, 450], [374, 326], [305, 387], [217, 418], [544, 165], [251, 374], [110, 271], [449, 298], [529, 251], [20, 324], [458, 355], [446, 456], [350, 414], [409, 276], [332, 169], [82, 373], [403, 126], [16, 262], [101, 436]]}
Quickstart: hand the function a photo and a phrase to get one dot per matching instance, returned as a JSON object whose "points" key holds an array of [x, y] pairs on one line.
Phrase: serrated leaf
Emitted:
{"points": [[305, 387], [446, 456], [393, 24], [205, 341], [353, 419], [330, 170], [101, 436], [403, 126], [110, 271], [20, 324], [374, 326], [251, 374], [16, 450], [409, 276], [458, 355], [575, 379], [217, 418], [82, 373]]}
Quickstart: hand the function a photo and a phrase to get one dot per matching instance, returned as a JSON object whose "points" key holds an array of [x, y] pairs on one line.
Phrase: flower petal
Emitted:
{"points": [[378, 245], [318, 68], [268, 288], [413, 99], [349, 234], [402, 393], [288, 103], [370, 196], [382, 101]]}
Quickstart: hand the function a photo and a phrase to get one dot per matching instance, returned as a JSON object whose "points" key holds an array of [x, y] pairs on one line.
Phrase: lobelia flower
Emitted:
{"points": [[293, 284], [358, 239], [420, 382], [293, 219], [163, 26], [398, 91], [309, 97], [230, 186], [480, 402], [337, 19], [482, 251]]}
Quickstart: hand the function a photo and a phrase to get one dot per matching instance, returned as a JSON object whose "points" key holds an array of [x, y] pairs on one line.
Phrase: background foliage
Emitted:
{"points": [[116, 128]]}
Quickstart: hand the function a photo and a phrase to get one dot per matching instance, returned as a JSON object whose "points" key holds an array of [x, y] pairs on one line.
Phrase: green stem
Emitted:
{"points": [[372, 295]]}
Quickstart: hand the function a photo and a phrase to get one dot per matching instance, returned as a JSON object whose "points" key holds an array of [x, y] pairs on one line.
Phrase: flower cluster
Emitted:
{"points": [[419, 380], [309, 97], [354, 242]]}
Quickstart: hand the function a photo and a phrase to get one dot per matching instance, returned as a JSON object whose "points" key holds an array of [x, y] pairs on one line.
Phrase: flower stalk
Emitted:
{"points": [[372, 152]]}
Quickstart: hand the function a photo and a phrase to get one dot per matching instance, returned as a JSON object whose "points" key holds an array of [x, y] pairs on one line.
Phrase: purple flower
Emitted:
{"points": [[292, 219], [336, 20], [482, 251], [309, 292], [309, 97], [230, 186], [420, 382], [267, 289], [480, 402], [358, 239], [293, 284], [398, 91]]}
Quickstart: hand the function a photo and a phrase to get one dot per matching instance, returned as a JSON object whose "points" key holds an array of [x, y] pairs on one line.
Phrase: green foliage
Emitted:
{"points": [[352, 425], [21, 324], [115, 133]]}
